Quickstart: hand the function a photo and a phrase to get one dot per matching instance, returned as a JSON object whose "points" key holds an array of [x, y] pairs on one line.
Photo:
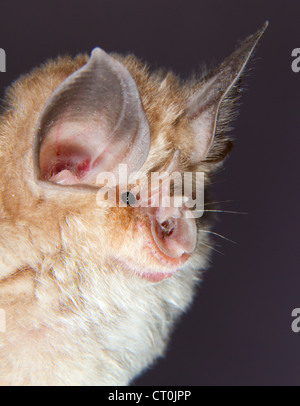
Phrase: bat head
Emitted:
{"points": [[73, 120]]}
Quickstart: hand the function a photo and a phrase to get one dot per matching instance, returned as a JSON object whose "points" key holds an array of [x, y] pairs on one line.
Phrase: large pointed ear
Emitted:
{"points": [[91, 123], [204, 105]]}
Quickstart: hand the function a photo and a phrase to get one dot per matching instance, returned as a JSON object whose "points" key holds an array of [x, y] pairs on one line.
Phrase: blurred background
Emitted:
{"points": [[238, 331]]}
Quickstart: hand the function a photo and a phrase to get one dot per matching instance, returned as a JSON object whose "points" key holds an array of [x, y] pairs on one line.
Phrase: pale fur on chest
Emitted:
{"points": [[100, 329]]}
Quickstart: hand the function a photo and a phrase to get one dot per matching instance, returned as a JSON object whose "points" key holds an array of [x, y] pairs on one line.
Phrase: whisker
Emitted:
{"points": [[222, 201], [217, 234], [212, 248], [226, 211]]}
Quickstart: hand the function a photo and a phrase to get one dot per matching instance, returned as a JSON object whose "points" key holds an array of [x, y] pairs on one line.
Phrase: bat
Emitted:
{"points": [[95, 268]]}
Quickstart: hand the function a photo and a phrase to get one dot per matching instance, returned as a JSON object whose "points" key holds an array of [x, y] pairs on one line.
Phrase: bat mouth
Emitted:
{"points": [[149, 274]]}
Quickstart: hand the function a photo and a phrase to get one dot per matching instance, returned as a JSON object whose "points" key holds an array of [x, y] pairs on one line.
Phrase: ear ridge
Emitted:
{"points": [[217, 91]]}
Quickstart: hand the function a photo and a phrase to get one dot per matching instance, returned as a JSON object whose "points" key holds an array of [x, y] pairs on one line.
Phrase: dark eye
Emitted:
{"points": [[128, 198]]}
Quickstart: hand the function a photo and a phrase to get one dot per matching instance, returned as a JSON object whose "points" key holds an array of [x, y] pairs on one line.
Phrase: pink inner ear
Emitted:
{"points": [[72, 154]]}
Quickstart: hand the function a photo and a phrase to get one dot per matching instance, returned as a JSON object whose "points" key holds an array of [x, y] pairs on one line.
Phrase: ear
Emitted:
{"points": [[204, 105], [91, 123]]}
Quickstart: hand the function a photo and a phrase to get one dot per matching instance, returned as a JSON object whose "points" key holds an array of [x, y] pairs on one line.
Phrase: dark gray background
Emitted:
{"points": [[238, 332]]}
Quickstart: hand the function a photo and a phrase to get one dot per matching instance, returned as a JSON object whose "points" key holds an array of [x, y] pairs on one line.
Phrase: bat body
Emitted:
{"points": [[91, 291]]}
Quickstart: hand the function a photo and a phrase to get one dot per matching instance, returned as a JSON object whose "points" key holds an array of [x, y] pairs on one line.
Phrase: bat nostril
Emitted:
{"points": [[167, 227]]}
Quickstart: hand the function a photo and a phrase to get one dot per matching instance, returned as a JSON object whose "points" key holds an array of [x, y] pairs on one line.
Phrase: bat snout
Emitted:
{"points": [[173, 231]]}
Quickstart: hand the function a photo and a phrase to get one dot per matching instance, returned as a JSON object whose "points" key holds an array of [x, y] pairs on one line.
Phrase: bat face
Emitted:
{"points": [[106, 274]]}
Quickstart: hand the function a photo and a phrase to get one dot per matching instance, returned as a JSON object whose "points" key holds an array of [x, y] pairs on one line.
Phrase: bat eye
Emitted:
{"points": [[128, 198]]}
